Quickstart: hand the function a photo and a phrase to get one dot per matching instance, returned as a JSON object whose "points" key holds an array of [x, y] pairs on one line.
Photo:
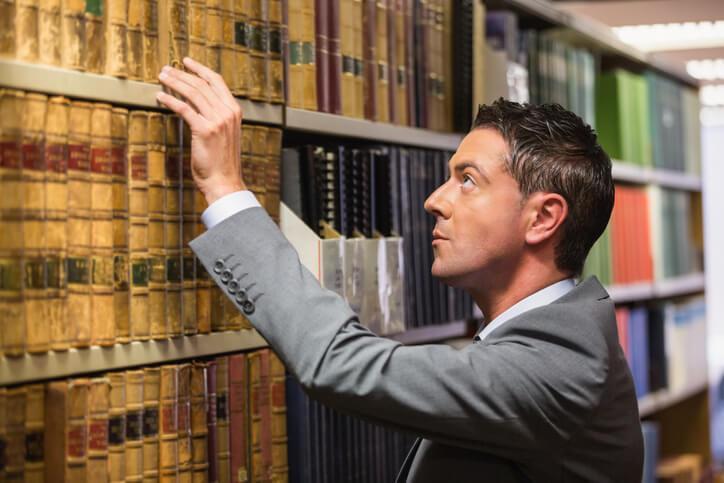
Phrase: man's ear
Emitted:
{"points": [[547, 212]]}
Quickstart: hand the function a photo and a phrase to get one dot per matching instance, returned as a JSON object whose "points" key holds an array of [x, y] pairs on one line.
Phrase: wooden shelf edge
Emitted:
{"points": [[664, 398], [332, 124], [673, 287], [77, 362], [54, 80], [432, 333]]}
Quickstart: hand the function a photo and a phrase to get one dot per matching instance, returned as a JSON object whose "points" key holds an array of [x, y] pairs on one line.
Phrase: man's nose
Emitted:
{"points": [[438, 204]]}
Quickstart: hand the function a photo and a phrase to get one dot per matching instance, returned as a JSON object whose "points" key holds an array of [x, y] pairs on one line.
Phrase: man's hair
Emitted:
{"points": [[553, 150]]}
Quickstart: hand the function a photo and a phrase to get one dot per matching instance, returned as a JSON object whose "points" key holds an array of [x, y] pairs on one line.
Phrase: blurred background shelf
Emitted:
{"points": [[632, 173], [83, 85], [683, 285], [665, 398]]}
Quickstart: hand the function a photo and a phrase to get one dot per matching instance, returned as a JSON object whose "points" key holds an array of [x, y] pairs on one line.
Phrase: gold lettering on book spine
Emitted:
{"points": [[49, 21], [199, 428], [79, 224], [197, 30], [167, 427], [134, 426], [116, 41], [35, 296], [240, 48], [12, 320], [56, 219], [151, 383], [26, 25], [7, 28], [134, 39], [150, 41], [275, 74], [172, 226], [34, 432], [117, 427], [102, 310], [119, 176], [188, 226], [137, 169], [156, 209], [95, 40], [257, 38]]}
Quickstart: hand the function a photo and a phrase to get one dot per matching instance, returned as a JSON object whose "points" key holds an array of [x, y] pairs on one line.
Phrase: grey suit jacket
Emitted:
{"points": [[546, 397]]}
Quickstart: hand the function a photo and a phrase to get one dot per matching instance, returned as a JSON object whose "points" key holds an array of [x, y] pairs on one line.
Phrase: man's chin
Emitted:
{"points": [[448, 277]]}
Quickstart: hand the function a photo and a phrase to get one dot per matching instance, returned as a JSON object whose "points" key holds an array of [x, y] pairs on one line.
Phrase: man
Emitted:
{"points": [[544, 394]]}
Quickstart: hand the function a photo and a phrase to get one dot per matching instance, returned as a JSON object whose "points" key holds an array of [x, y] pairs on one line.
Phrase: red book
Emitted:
{"points": [[334, 72], [239, 424], [622, 315], [322, 54]]}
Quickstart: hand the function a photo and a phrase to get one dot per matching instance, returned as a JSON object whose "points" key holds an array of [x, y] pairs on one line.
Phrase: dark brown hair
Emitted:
{"points": [[553, 150]]}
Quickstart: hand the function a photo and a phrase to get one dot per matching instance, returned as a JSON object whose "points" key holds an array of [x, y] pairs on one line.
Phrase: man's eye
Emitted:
{"points": [[467, 180]]}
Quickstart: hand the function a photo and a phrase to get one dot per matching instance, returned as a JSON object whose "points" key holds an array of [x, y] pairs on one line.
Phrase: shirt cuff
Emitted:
{"points": [[228, 206]]}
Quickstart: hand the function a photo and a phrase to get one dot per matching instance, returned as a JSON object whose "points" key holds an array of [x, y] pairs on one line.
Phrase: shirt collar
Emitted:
{"points": [[537, 299]]}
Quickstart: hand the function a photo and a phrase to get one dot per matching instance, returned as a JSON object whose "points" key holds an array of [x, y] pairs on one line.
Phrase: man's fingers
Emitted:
{"points": [[191, 93], [216, 82], [192, 118], [217, 105]]}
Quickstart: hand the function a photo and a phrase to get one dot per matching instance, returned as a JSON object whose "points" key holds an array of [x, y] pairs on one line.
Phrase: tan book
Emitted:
{"points": [[151, 387], [275, 68], [3, 427], [223, 447], [256, 35], [199, 428], [197, 30], [402, 75], [188, 229], [261, 442], [256, 175], [184, 422], [383, 73], [273, 178], [119, 147], [26, 30], [98, 404], [358, 49], [134, 426], [117, 427], [116, 39], [218, 305], [172, 226], [134, 39], [309, 69], [156, 211], [102, 304], [49, 21], [72, 34], [168, 424], [95, 36], [35, 295], [79, 223], [280, 463], [15, 428], [229, 70], [65, 441], [174, 32], [12, 320], [151, 66], [240, 47], [294, 56], [34, 431], [56, 218], [214, 34], [7, 28], [137, 167]]}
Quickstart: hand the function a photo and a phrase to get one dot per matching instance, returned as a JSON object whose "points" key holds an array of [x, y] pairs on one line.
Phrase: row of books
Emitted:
{"points": [[217, 420], [662, 343], [649, 120], [133, 39], [383, 60], [326, 446], [97, 211], [371, 192], [653, 235]]}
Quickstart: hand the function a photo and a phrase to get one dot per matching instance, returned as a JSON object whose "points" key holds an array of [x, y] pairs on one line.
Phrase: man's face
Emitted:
{"points": [[479, 230]]}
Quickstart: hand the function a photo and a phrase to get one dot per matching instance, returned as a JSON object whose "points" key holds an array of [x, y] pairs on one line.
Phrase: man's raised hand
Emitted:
{"points": [[214, 117]]}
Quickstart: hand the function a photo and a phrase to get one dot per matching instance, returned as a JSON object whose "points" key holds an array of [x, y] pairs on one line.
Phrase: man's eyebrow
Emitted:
{"points": [[462, 165]]}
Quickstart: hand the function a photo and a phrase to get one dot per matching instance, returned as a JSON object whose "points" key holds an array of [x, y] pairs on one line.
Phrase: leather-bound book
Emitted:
{"points": [[261, 440], [151, 52], [79, 223], [49, 21], [137, 169], [98, 405], [189, 220], [168, 424], [401, 76], [197, 30], [15, 430], [392, 47], [240, 48], [134, 426], [56, 218], [272, 172], [65, 441], [156, 228], [12, 330], [95, 36], [134, 39], [309, 69], [256, 35], [172, 226], [102, 308], [199, 427], [295, 76], [34, 432], [117, 427], [119, 176], [358, 9], [26, 30], [239, 417], [183, 424], [151, 387], [321, 50], [211, 422], [223, 454], [72, 34], [116, 41], [279, 462], [230, 71], [334, 53], [275, 68], [35, 296], [346, 46], [369, 52], [214, 34], [382, 70]]}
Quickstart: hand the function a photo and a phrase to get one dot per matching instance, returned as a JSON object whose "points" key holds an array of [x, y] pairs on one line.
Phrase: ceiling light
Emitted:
{"points": [[707, 69], [712, 95], [673, 36]]}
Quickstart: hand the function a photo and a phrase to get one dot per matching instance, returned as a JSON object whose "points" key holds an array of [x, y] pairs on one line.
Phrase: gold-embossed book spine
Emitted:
{"points": [[7, 28], [172, 226], [197, 30], [103, 326], [79, 223], [15, 449], [116, 39], [229, 69], [49, 22], [151, 387], [256, 35], [95, 36], [240, 48], [72, 34], [184, 423], [199, 428], [223, 446], [134, 39], [117, 427], [26, 27], [65, 441], [156, 210], [383, 69], [12, 328], [34, 431], [150, 27], [168, 428], [275, 71], [119, 156], [214, 34], [178, 32], [35, 295], [56, 218], [188, 226], [134, 426], [294, 55], [98, 405], [272, 172], [309, 69], [137, 166]]}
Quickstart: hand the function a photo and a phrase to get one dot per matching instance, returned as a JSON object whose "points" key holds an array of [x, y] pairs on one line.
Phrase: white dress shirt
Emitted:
{"points": [[228, 206]]}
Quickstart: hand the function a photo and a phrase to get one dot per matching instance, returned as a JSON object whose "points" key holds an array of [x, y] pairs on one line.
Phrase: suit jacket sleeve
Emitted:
{"points": [[521, 392]]}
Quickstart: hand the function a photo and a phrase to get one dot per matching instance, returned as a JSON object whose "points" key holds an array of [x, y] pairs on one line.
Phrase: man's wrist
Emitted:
{"points": [[213, 193]]}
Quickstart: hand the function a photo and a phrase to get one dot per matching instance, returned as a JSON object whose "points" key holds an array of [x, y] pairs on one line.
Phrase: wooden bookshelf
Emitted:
{"points": [[632, 173]]}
